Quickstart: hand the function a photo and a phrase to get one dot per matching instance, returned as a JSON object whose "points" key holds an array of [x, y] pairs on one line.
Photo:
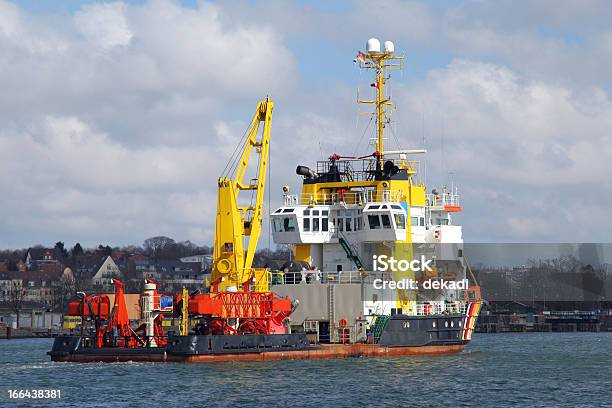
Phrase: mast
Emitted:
{"points": [[380, 62]]}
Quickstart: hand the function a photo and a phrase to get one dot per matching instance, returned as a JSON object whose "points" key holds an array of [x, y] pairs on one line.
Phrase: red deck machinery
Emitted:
{"points": [[241, 312]]}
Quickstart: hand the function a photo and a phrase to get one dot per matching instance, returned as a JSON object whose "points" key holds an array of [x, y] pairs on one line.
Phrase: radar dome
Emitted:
{"points": [[373, 45], [389, 47]]}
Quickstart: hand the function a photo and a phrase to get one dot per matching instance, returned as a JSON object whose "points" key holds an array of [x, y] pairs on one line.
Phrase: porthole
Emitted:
{"points": [[459, 323], [433, 324], [452, 324], [446, 323]]}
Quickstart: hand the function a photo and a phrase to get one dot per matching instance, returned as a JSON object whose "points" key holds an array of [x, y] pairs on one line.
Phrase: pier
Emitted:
{"points": [[548, 321]]}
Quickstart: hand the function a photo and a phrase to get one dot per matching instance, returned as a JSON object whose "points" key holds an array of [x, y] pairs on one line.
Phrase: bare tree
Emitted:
{"points": [[16, 296], [155, 245], [63, 290]]}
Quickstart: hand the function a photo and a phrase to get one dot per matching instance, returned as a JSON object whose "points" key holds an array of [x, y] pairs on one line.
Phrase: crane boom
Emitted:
{"points": [[235, 225]]}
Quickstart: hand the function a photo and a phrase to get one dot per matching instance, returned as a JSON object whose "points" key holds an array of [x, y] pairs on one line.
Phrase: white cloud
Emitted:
{"points": [[104, 25], [18, 34], [74, 179], [533, 154], [116, 121]]}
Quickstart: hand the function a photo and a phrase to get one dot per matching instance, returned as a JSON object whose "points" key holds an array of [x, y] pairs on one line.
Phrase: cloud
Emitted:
{"points": [[104, 25], [164, 70], [115, 121], [77, 180], [21, 33], [532, 154]]}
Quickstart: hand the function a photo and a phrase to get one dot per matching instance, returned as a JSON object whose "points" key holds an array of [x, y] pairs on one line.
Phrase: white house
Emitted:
{"points": [[107, 270]]}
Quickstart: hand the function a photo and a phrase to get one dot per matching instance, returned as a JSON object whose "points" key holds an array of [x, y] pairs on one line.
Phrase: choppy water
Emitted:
{"points": [[497, 370]]}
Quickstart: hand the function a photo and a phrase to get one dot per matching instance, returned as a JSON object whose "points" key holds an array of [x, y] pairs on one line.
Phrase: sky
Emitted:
{"points": [[116, 118]]}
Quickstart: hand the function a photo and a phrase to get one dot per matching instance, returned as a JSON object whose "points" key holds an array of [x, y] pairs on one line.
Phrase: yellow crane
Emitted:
{"points": [[238, 226]]}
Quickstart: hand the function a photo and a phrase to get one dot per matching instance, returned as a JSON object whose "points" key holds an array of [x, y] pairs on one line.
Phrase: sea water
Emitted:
{"points": [[496, 370]]}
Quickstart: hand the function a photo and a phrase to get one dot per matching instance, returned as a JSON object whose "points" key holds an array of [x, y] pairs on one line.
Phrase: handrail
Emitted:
{"points": [[351, 197], [443, 199]]}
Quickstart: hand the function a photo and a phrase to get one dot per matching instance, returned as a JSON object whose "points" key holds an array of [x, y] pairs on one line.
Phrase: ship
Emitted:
{"points": [[356, 232]]}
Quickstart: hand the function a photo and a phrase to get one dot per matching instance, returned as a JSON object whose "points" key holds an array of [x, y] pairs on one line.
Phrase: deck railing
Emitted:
{"points": [[359, 198], [444, 199], [308, 277]]}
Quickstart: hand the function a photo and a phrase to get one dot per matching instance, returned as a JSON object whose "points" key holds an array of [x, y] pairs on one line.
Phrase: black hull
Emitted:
{"points": [[403, 335], [402, 331]]}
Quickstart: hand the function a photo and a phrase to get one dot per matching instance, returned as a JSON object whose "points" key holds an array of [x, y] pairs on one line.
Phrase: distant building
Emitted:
{"points": [[44, 287], [38, 256], [32, 315], [174, 274], [205, 260], [107, 270], [9, 283], [142, 268]]}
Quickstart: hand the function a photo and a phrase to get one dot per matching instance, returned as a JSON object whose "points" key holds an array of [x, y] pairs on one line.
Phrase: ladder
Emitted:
{"points": [[349, 252], [379, 327], [331, 312]]}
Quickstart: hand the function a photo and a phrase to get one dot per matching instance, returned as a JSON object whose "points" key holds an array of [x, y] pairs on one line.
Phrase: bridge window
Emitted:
{"points": [[441, 221], [386, 221], [422, 222], [348, 224], [414, 221], [374, 221], [400, 221], [288, 224], [312, 222], [288, 210]]}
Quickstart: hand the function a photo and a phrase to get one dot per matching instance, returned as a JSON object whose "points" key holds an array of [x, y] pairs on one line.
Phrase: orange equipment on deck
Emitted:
{"points": [[90, 306], [258, 312], [112, 326], [120, 319]]}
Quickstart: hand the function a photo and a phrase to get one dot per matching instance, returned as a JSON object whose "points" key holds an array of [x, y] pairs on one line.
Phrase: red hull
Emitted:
{"points": [[325, 352]]}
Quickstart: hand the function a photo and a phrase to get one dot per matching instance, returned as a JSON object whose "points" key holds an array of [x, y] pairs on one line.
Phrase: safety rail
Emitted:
{"points": [[440, 308], [443, 199], [351, 197], [310, 277], [110, 341], [359, 169], [346, 334]]}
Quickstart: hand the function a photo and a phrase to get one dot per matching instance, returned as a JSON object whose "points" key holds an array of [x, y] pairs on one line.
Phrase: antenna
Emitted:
{"points": [[380, 62], [424, 142], [442, 155]]}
